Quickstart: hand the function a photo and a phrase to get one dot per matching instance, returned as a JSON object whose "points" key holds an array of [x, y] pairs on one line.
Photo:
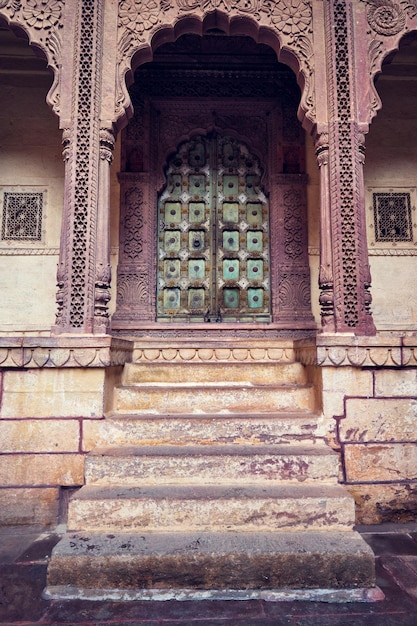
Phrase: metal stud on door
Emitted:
{"points": [[213, 235]]}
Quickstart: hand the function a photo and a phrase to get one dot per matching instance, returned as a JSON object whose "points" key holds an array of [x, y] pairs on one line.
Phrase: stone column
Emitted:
{"points": [[80, 270], [103, 268], [349, 254], [326, 285]]}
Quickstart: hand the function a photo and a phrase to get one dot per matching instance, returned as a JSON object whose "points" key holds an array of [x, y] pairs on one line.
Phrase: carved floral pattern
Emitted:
{"points": [[385, 17], [293, 17], [42, 13], [139, 16]]}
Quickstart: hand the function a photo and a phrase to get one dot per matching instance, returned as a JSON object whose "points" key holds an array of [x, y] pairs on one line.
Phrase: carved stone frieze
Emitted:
{"points": [[51, 352], [192, 354], [289, 20], [338, 351], [42, 21]]}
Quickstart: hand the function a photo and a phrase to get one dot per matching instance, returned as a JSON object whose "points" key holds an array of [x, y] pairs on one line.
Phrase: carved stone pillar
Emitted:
{"points": [[289, 257], [326, 249], [136, 273], [351, 277], [103, 269], [81, 271]]}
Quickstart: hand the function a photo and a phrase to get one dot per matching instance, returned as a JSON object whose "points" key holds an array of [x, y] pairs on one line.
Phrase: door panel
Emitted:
{"points": [[213, 235]]}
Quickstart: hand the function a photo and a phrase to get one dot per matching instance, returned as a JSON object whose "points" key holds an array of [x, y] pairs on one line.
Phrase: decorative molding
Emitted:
{"points": [[42, 21], [194, 351], [289, 20], [338, 351], [48, 352], [29, 251]]}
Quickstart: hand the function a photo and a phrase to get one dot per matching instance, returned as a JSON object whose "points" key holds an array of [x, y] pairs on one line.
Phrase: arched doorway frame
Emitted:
{"points": [[140, 37], [135, 278]]}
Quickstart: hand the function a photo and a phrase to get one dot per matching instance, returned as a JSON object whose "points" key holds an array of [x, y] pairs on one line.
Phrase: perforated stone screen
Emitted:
{"points": [[392, 216], [22, 216]]}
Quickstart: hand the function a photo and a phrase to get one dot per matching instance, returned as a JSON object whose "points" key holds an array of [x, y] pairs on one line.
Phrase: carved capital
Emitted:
{"points": [[322, 149], [66, 144], [106, 139]]}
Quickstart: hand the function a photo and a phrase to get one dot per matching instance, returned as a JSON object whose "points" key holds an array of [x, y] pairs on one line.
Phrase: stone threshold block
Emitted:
{"points": [[93, 563], [175, 508], [215, 464]]}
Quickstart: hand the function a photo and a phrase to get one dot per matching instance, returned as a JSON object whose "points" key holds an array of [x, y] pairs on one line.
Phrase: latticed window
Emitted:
{"points": [[392, 217], [22, 216]]}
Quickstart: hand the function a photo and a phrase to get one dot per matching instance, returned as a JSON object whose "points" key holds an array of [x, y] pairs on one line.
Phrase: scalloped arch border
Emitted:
{"points": [[232, 25], [20, 30], [377, 55]]}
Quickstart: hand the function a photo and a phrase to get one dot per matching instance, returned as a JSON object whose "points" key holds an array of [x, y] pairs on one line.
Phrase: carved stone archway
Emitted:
{"points": [[256, 102]]}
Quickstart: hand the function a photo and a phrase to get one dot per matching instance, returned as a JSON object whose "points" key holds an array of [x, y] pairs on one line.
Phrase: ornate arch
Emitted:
{"points": [[286, 26], [389, 21], [41, 23]]}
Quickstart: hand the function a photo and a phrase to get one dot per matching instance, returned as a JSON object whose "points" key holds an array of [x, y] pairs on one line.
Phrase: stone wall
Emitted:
{"points": [[390, 166], [50, 389], [370, 390], [30, 162]]}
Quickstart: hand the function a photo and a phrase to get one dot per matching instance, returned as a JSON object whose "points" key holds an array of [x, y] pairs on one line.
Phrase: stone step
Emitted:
{"points": [[214, 508], [191, 372], [134, 430], [91, 563], [211, 398], [227, 464]]}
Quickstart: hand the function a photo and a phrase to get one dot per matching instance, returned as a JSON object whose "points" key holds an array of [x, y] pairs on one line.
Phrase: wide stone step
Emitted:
{"points": [[90, 563], [211, 398], [152, 465], [211, 508], [133, 430], [191, 372]]}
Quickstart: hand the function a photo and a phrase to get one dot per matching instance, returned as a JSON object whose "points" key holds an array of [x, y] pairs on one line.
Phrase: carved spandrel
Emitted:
{"points": [[290, 21]]}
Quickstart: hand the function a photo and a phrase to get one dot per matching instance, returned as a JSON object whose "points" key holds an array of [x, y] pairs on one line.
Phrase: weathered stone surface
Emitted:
{"points": [[341, 382], [399, 382], [212, 561], [133, 430], [39, 435], [26, 506], [376, 504], [53, 393], [380, 462], [41, 469], [197, 372], [371, 419], [211, 508], [147, 465], [211, 398]]}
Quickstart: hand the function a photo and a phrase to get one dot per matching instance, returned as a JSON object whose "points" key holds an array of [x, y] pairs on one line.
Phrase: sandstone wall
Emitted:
{"points": [[372, 395]]}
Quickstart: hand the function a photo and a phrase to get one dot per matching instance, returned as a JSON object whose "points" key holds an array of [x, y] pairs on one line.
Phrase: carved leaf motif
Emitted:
{"points": [[410, 7]]}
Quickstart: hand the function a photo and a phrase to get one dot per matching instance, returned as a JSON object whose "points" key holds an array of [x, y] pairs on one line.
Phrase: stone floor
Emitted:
{"points": [[24, 554]]}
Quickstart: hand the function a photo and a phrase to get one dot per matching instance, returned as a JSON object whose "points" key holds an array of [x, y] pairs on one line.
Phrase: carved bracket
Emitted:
{"points": [[388, 21], [42, 22]]}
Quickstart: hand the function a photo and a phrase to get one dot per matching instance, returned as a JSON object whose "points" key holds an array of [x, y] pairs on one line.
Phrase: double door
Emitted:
{"points": [[213, 235]]}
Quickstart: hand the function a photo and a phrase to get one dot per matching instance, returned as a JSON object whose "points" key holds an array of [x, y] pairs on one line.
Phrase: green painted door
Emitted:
{"points": [[213, 239]]}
